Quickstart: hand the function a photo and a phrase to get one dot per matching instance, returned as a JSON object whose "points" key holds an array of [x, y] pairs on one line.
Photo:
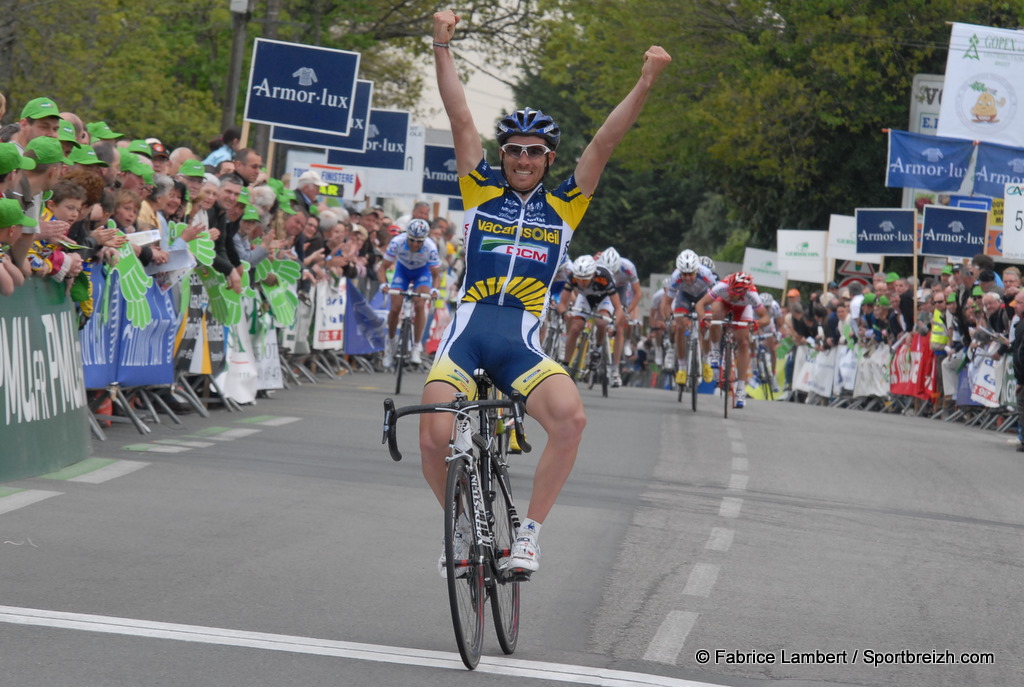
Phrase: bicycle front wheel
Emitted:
{"points": [[465, 576], [505, 594], [726, 374], [765, 365], [696, 374], [404, 334]]}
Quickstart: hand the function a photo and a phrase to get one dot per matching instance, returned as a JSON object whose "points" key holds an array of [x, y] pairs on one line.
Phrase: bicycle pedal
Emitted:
{"points": [[516, 575]]}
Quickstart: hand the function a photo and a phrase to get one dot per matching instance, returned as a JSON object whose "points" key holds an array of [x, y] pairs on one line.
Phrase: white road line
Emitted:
{"points": [[278, 421], [735, 433], [553, 672], [730, 507], [190, 443], [25, 498], [740, 464], [671, 636], [720, 539], [701, 580], [738, 482], [738, 447], [109, 472], [239, 433]]}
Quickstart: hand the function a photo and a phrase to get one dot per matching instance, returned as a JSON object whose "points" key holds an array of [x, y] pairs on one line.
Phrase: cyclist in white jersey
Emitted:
{"points": [[776, 322], [735, 293], [418, 265], [627, 283], [516, 231], [688, 284]]}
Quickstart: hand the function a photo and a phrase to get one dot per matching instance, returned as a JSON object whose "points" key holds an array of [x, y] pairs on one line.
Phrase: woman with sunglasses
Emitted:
{"points": [[516, 233]]}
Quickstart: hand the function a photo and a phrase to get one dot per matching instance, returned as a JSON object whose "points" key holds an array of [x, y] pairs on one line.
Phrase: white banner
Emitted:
{"points": [[842, 240], [983, 86], [1013, 222], [764, 266], [802, 254]]}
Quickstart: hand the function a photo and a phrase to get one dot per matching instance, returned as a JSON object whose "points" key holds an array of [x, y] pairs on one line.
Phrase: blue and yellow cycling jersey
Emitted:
{"points": [[514, 247]]}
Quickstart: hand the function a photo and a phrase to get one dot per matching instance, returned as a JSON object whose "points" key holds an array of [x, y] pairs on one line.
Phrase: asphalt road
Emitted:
{"points": [[282, 546]]}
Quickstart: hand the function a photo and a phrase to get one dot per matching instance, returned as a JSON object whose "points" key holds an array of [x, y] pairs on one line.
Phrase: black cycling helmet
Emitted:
{"points": [[528, 122]]}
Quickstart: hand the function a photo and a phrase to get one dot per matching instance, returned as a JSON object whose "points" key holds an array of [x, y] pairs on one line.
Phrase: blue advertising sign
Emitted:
{"points": [[357, 135], [101, 336], [929, 162], [146, 356], [953, 232], [997, 166], [386, 146], [439, 171], [302, 86], [885, 231]]}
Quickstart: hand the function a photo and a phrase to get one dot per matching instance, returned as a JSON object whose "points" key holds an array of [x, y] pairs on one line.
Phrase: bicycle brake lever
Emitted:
{"points": [[390, 429], [517, 417]]}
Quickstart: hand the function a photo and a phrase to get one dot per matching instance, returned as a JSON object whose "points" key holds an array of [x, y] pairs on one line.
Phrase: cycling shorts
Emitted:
{"points": [[740, 313], [582, 306], [684, 303], [503, 341], [405, 277]]}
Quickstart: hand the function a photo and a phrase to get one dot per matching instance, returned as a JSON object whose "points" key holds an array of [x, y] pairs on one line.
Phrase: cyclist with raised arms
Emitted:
{"points": [[627, 283], [418, 265], [516, 231], [735, 293], [688, 284], [595, 293]]}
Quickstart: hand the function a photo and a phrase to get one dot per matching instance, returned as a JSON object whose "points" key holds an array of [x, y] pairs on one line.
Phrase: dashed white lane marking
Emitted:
{"points": [[278, 421], [701, 580], [720, 539], [740, 464], [24, 498], [738, 447], [552, 672], [190, 443], [670, 637], [234, 434], [735, 433], [738, 482], [730, 507], [109, 472]]}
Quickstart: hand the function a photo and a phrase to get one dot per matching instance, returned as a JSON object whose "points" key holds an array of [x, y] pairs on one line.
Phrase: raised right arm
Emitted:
{"points": [[468, 148]]}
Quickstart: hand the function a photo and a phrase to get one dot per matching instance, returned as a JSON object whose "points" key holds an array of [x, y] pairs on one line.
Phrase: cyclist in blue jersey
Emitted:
{"points": [[516, 232], [417, 265]]}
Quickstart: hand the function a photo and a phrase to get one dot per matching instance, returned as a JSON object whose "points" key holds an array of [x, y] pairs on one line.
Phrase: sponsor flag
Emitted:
{"points": [[929, 162], [997, 166], [1013, 222], [763, 265], [802, 254]]}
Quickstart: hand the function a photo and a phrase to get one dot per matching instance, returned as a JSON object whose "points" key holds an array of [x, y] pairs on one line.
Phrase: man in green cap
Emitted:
{"points": [[12, 219], [67, 136], [39, 117], [12, 162]]}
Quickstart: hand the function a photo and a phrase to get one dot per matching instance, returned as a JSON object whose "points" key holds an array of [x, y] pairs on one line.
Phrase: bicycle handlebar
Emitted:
{"points": [[391, 415], [408, 293], [734, 323]]}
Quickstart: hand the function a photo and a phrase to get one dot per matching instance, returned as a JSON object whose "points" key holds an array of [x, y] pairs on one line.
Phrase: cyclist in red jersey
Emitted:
{"points": [[735, 293]]}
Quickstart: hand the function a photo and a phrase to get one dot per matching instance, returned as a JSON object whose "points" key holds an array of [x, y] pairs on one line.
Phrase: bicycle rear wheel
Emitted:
{"points": [[726, 373], [466, 594], [505, 593], [764, 373]]}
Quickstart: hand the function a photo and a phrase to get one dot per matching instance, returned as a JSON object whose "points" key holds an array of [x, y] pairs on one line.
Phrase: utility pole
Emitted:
{"points": [[241, 10]]}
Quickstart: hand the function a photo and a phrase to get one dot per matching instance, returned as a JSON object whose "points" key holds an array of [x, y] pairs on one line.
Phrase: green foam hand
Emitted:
{"points": [[213, 281], [287, 271], [201, 247], [134, 283]]}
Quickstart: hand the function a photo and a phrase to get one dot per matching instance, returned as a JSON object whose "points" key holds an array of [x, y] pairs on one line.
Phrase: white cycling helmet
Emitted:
{"points": [[584, 267], [767, 300], [611, 259], [687, 262], [418, 228], [707, 262]]}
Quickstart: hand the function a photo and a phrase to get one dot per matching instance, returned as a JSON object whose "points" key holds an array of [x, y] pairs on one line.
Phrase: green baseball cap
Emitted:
{"points": [[192, 168], [11, 159], [884, 301], [948, 269], [976, 291], [11, 215], [951, 298], [891, 277], [47, 151], [101, 130], [66, 132], [130, 162], [251, 214], [40, 108], [243, 196], [140, 147], [869, 299], [86, 155]]}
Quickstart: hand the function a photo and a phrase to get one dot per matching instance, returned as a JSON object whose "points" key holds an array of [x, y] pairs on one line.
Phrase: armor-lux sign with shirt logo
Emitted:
{"points": [[953, 232], [1013, 222], [996, 167], [357, 135], [885, 231], [386, 147], [302, 86], [439, 172], [928, 162]]}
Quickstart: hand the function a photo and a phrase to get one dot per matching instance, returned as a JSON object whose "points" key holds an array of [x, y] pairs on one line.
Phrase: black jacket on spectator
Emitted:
{"points": [[1017, 348]]}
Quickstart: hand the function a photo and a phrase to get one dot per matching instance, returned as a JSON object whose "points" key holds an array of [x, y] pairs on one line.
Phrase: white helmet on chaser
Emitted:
{"points": [[584, 267], [707, 262], [611, 259], [687, 262], [418, 229]]}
